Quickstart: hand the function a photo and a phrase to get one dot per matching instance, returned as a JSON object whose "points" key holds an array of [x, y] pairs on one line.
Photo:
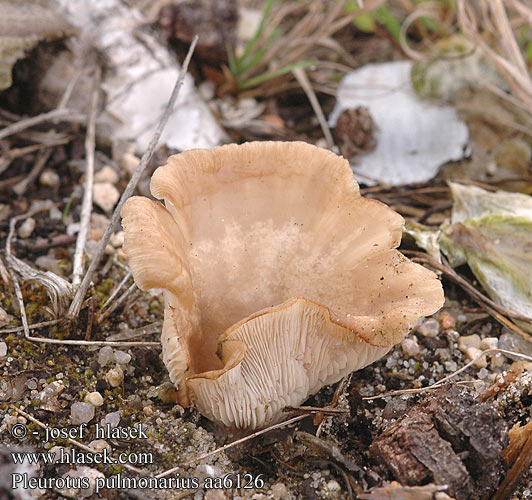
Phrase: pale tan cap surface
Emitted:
{"points": [[248, 229]]}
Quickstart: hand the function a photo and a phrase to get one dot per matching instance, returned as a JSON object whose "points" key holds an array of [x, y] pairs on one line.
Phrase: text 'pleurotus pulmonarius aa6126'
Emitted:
{"points": [[279, 277]]}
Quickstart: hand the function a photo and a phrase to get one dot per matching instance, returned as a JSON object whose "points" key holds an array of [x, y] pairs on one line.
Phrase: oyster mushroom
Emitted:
{"points": [[279, 277]]}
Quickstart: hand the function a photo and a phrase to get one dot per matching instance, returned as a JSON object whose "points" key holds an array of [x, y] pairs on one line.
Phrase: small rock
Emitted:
{"points": [[106, 355], [81, 413], [148, 411], [447, 321], [94, 398], [49, 264], [122, 357], [3, 349], [129, 162], [410, 346], [115, 376], [489, 343], [215, 495], [333, 485], [106, 174], [429, 328], [167, 393], [26, 228], [280, 491], [117, 240], [52, 390], [4, 317], [98, 445], [511, 342], [467, 341], [31, 384], [105, 195], [49, 178], [473, 353], [91, 474], [113, 419], [206, 90]]}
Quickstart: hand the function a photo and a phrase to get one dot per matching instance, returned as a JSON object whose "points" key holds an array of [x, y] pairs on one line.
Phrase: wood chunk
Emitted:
{"points": [[449, 439]]}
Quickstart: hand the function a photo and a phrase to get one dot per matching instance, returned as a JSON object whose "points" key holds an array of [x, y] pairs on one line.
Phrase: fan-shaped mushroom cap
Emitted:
{"points": [[279, 277]]}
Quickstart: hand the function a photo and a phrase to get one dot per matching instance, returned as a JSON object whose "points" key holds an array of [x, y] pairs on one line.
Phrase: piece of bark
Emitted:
{"points": [[449, 439], [518, 455]]}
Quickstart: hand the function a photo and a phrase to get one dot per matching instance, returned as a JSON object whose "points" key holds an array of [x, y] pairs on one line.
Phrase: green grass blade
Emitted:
{"points": [[257, 80]]}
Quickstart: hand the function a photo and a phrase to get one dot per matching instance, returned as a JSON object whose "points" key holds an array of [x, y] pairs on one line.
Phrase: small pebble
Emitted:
{"points": [[333, 485], [106, 355], [49, 178], [122, 357], [429, 328], [148, 411], [26, 228], [468, 341], [489, 343], [106, 174], [482, 373], [94, 398], [52, 390], [31, 384], [410, 346], [167, 393], [105, 195], [99, 445], [447, 321], [280, 491], [117, 240], [3, 349], [472, 353], [129, 162], [81, 413], [113, 419], [4, 317], [115, 376]]}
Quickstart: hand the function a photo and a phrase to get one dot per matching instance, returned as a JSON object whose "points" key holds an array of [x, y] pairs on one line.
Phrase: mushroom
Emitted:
{"points": [[278, 277]]}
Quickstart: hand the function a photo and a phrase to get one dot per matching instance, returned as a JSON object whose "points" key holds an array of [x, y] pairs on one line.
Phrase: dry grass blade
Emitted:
{"points": [[494, 18], [56, 114], [86, 205]]}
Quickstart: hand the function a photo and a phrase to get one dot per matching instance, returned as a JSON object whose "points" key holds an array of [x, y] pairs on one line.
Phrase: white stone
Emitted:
{"points": [[94, 398], [105, 195], [489, 343], [129, 162], [106, 174], [468, 341], [49, 178], [99, 445], [414, 137], [4, 317], [81, 413], [472, 353], [410, 346], [122, 357], [333, 485], [429, 328], [113, 419], [3, 349], [115, 376], [26, 228], [280, 491], [117, 240], [106, 355]]}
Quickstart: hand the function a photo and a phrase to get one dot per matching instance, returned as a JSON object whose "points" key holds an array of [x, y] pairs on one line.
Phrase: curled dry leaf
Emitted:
{"points": [[279, 277]]}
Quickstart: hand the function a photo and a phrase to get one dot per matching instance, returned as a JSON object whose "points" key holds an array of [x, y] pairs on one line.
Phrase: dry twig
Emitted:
{"points": [[75, 306]]}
